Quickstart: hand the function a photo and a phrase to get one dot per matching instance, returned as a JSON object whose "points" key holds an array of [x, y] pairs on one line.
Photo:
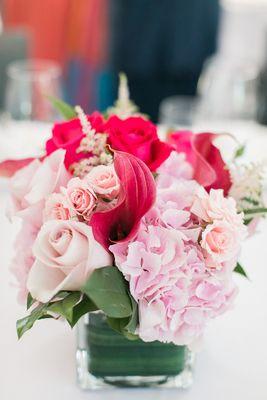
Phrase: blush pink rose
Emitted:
{"points": [[221, 241], [214, 206], [23, 258], [81, 198], [104, 181], [57, 207], [66, 253], [33, 183]]}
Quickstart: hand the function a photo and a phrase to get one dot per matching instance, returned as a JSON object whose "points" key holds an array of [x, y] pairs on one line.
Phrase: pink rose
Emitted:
{"points": [[221, 241], [213, 205], [104, 181], [33, 183], [57, 207], [66, 253], [68, 135], [23, 259], [81, 198], [137, 136]]}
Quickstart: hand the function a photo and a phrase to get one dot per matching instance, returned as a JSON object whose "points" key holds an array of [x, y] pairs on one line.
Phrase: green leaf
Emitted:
{"points": [[107, 288], [30, 301], [240, 151], [240, 270], [118, 324], [252, 211], [133, 320], [26, 323], [83, 307], [67, 111], [65, 307]]}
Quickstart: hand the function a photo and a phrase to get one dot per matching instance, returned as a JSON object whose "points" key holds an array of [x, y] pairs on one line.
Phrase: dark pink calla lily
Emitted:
{"points": [[210, 170], [138, 192]]}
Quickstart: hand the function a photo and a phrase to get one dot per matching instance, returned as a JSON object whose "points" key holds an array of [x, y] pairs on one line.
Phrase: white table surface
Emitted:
{"points": [[231, 366]]}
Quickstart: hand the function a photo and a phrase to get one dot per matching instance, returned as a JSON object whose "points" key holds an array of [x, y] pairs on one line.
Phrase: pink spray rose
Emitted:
{"points": [[221, 241], [66, 253], [81, 197], [57, 207], [214, 205], [104, 181]]}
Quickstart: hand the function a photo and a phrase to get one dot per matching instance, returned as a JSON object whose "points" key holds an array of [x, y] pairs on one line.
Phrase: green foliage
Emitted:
{"points": [[240, 151], [240, 270], [67, 111], [126, 326], [30, 301], [63, 305], [255, 211], [83, 307], [107, 288]]}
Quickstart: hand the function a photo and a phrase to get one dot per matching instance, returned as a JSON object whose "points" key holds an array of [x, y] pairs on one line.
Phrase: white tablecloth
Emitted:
{"points": [[232, 364]]}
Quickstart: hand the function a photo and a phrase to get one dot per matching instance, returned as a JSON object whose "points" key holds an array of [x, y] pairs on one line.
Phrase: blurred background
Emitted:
{"points": [[185, 59]]}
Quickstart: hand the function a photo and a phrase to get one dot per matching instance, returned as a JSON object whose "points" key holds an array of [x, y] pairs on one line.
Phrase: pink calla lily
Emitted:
{"points": [[136, 197], [210, 170]]}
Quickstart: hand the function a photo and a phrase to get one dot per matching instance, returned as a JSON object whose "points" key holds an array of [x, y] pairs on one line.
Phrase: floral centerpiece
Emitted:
{"points": [[136, 238]]}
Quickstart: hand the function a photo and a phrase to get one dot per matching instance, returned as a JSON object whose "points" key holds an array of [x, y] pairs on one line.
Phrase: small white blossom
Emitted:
{"points": [[247, 185], [124, 107]]}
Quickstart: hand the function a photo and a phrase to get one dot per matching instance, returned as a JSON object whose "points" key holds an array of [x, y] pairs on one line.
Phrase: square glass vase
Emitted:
{"points": [[106, 359]]}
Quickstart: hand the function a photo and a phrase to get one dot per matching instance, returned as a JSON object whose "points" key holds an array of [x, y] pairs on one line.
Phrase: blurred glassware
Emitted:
{"points": [[178, 111], [28, 85], [228, 90]]}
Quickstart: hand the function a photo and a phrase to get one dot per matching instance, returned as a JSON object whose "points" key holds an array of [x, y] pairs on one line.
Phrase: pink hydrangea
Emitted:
{"points": [[152, 261], [175, 291], [180, 264], [174, 168]]}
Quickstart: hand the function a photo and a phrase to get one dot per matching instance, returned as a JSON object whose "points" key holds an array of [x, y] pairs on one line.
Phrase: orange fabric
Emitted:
{"points": [[62, 29]]}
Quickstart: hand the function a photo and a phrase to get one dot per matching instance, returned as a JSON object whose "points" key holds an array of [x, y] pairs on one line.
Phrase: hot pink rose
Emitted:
{"points": [[137, 136], [104, 181], [68, 135], [209, 167], [81, 198], [66, 253], [221, 241], [33, 183], [57, 207]]}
